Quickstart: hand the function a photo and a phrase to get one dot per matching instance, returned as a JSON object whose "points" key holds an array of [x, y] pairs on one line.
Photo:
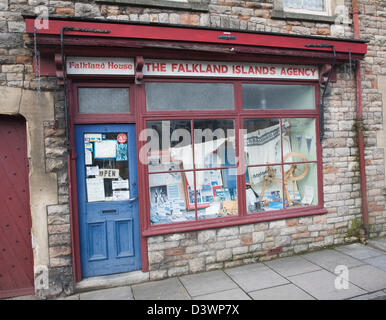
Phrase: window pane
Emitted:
{"points": [[189, 96], [264, 189], [316, 5], [262, 143], [214, 143], [107, 167], [170, 145], [269, 96], [299, 140], [104, 100], [168, 202], [301, 184], [296, 4], [216, 193]]}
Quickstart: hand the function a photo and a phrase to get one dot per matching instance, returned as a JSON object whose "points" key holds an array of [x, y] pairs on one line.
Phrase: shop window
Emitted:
{"points": [[103, 100], [281, 164], [161, 96], [191, 176], [193, 160]]}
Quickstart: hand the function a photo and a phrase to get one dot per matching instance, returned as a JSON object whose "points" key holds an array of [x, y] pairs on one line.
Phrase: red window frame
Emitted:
{"points": [[238, 115], [92, 118]]}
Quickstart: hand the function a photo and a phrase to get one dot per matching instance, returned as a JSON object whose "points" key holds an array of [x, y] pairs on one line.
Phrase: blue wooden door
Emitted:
{"points": [[107, 199]]}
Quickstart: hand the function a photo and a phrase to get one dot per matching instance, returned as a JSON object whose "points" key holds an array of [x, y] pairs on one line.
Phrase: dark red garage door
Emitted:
{"points": [[16, 259]]}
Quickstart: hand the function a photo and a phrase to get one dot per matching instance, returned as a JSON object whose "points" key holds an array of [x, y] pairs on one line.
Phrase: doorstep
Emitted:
{"points": [[111, 281]]}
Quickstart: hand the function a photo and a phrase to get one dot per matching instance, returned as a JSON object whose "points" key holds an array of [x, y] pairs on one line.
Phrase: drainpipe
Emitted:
{"points": [[361, 145]]}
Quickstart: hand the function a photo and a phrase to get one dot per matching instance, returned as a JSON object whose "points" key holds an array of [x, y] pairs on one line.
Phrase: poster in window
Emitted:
{"points": [[105, 149], [95, 189], [122, 152]]}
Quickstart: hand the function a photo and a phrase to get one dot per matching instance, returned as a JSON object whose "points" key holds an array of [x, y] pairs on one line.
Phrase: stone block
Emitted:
{"points": [[258, 237], [206, 236], [230, 231], [197, 265], [223, 255]]}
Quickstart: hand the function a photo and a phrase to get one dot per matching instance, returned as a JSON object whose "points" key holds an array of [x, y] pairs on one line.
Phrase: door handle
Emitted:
{"points": [[133, 199]]}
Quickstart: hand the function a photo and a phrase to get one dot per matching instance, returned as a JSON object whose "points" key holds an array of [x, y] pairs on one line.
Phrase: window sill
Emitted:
{"points": [[229, 221], [189, 5], [280, 14]]}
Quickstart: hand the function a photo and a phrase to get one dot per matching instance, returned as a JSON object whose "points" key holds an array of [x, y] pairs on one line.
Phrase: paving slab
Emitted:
{"points": [[378, 262], [359, 251], [73, 297], [285, 292], [169, 289], [321, 285], [379, 244], [233, 294], [207, 282], [330, 259], [368, 277], [292, 266], [255, 277], [30, 297], [121, 293], [379, 295]]}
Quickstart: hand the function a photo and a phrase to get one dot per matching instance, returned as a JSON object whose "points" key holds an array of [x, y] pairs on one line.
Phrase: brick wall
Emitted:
{"points": [[206, 250]]}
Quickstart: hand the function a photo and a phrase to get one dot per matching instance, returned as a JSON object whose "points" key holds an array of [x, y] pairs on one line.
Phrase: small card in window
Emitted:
{"points": [[121, 152], [92, 171], [121, 195], [92, 137], [120, 185]]}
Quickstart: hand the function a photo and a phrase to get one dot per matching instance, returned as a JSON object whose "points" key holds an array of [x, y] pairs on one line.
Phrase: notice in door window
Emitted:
{"points": [[95, 189], [106, 149], [107, 167]]}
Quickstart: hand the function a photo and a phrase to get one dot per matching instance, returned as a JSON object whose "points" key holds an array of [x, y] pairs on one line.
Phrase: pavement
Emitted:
{"points": [[320, 275]]}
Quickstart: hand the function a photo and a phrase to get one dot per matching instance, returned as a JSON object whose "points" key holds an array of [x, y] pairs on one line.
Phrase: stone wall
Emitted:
{"points": [[183, 253], [206, 250]]}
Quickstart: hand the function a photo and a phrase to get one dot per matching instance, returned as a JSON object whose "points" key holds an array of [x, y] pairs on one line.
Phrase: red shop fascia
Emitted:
{"points": [[146, 46]]}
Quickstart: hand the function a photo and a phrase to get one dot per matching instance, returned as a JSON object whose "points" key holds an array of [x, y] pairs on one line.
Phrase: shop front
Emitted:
{"points": [[173, 131]]}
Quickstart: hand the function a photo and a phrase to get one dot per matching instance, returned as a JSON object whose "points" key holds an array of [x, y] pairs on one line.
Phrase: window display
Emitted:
{"points": [[107, 171], [199, 182], [194, 164], [275, 187]]}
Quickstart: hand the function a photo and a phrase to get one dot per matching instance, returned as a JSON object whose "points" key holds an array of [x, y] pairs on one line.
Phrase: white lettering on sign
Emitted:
{"points": [[100, 66], [229, 69]]}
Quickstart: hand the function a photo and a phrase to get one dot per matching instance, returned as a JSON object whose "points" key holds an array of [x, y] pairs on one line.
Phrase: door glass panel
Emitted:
{"points": [[104, 100], [107, 171]]}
